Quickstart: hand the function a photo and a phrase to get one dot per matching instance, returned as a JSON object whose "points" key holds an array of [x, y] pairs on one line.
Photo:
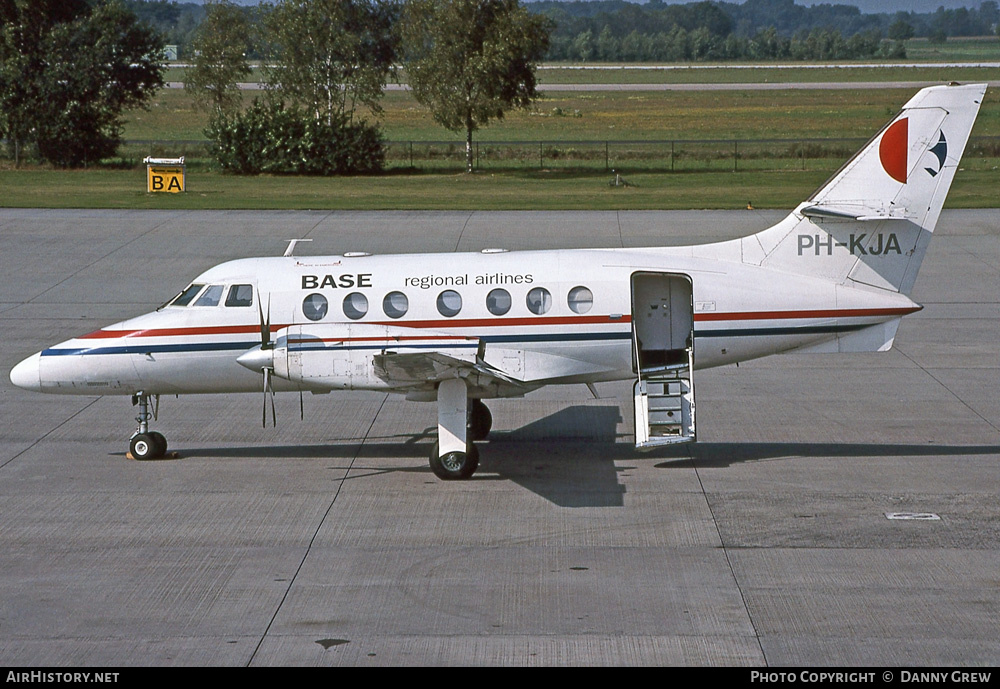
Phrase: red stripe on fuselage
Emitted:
{"points": [[386, 338], [500, 320], [174, 332]]}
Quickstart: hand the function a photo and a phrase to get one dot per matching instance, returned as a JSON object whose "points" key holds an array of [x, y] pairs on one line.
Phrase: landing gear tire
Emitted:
{"points": [[480, 420], [161, 443], [145, 446], [455, 466]]}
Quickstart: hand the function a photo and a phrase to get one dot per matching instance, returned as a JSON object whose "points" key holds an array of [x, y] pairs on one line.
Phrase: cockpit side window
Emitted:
{"points": [[185, 297], [210, 297], [240, 295]]}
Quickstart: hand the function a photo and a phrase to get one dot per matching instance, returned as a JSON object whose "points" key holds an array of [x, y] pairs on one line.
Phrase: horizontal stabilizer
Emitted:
{"points": [[859, 212]]}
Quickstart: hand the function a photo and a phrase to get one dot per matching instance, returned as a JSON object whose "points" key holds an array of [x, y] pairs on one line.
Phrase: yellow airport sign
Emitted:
{"points": [[164, 175]]}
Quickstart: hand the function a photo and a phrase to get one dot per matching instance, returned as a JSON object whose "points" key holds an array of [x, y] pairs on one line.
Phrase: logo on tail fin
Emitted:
{"points": [[893, 148], [940, 151]]}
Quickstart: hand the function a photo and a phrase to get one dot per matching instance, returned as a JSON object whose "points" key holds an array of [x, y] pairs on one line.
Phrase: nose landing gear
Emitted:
{"points": [[144, 443]]}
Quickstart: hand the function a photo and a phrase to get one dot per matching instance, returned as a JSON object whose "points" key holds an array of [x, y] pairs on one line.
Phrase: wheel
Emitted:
{"points": [[455, 465], [143, 446], [480, 420], [160, 442]]}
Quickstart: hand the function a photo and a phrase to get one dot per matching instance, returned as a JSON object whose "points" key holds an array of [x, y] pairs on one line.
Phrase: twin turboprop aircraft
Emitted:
{"points": [[833, 276]]}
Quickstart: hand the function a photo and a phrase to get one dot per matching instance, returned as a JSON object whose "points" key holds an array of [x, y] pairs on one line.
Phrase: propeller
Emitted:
{"points": [[268, 368], [261, 358]]}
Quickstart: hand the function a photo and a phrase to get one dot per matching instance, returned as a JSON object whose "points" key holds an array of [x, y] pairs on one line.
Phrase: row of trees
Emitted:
{"points": [[70, 69], [326, 66], [680, 45], [177, 21], [747, 19]]}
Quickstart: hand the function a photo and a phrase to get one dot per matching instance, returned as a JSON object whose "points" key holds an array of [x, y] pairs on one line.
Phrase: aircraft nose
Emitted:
{"points": [[25, 374]]}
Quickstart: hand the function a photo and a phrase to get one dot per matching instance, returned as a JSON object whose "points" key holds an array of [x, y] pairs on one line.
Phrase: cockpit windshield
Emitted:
{"points": [[185, 297], [199, 294], [240, 295], [210, 297]]}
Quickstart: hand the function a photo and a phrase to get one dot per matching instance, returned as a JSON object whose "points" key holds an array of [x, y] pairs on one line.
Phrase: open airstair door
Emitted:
{"points": [[663, 357]]}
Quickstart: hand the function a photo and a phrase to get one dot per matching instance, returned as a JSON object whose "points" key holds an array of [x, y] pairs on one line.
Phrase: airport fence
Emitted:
{"points": [[665, 155]]}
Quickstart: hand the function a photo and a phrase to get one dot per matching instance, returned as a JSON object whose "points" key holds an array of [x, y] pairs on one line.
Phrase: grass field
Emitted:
{"points": [[618, 116], [539, 190], [758, 155], [551, 189]]}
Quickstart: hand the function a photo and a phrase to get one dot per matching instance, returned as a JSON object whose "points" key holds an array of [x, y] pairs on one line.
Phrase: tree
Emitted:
{"points": [[471, 60], [901, 30], [583, 46], [332, 55], [68, 72], [220, 45], [326, 59]]}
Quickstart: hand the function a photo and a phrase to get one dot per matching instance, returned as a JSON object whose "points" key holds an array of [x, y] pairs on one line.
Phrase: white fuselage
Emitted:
{"points": [[740, 312]]}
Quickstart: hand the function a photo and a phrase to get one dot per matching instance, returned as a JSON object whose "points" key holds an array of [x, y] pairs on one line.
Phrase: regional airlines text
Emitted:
{"points": [[428, 281]]}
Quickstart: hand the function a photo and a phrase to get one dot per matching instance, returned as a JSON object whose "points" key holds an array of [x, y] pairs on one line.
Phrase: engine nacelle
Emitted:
{"points": [[341, 356]]}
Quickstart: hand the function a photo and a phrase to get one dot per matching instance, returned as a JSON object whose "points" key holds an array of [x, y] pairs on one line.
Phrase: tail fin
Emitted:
{"points": [[872, 221]]}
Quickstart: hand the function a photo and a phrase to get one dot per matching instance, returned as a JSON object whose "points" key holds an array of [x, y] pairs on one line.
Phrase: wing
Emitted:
{"points": [[418, 368], [368, 356]]}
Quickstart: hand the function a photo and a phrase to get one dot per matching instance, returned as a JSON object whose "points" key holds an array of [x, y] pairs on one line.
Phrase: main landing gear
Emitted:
{"points": [[480, 420], [146, 444], [460, 421]]}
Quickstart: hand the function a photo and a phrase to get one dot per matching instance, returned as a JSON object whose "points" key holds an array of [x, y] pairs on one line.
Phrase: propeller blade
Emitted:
{"points": [[263, 415], [265, 322], [265, 344], [268, 387]]}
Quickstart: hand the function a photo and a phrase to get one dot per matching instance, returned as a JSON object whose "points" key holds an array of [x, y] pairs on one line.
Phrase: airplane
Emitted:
{"points": [[833, 276]]}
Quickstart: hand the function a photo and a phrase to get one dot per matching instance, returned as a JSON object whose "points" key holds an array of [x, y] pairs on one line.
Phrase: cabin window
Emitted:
{"points": [[185, 297], [539, 300], [395, 304], [449, 303], [498, 302], [355, 305], [580, 299], [315, 306], [210, 297], [240, 295]]}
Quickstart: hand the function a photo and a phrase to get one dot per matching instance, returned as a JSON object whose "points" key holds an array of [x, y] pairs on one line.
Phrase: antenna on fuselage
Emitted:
{"points": [[290, 251]]}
